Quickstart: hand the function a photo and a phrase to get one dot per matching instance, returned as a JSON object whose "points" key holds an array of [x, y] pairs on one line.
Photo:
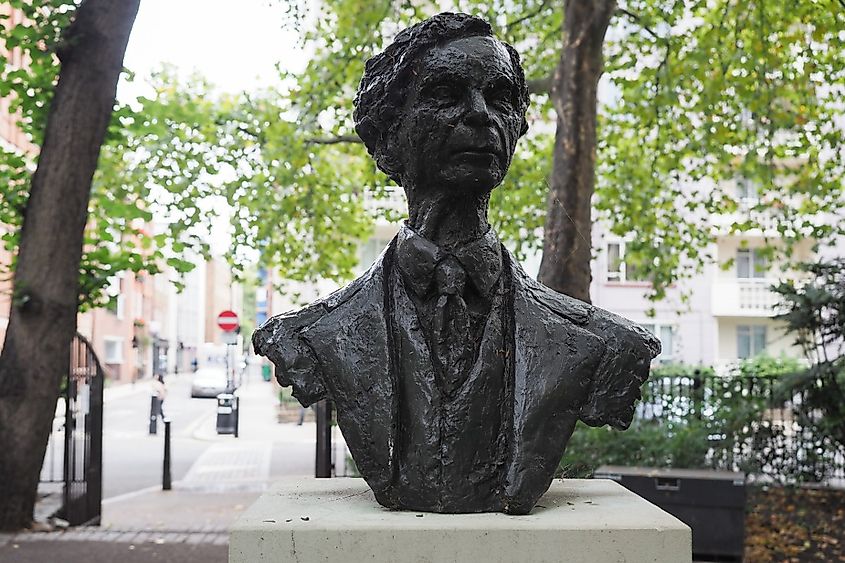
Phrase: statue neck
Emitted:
{"points": [[448, 221]]}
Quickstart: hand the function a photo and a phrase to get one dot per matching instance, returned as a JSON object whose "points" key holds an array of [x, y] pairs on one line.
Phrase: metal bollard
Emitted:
{"points": [[154, 409], [324, 439], [237, 414], [165, 478]]}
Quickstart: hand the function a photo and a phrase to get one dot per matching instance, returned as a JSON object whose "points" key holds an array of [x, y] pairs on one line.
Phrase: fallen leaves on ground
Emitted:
{"points": [[792, 524]]}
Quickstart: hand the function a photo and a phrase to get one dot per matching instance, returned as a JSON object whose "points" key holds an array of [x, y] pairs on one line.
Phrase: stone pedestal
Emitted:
{"points": [[308, 520]]}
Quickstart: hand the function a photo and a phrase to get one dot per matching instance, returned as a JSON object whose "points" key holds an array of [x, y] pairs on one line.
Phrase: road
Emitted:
{"points": [[202, 460], [132, 457]]}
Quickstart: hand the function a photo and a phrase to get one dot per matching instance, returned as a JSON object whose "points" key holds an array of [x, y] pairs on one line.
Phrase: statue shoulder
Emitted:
{"points": [[612, 328], [625, 355], [280, 340], [572, 309]]}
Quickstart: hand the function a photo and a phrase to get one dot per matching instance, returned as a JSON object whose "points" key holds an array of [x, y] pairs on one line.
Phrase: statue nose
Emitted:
{"points": [[477, 111]]}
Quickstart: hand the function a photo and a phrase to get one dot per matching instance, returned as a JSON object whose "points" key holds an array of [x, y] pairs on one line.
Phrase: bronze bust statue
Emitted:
{"points": [[457, 379]]}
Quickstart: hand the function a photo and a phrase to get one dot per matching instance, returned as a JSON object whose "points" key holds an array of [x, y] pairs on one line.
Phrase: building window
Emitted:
{"points": [[750, 264], [139, 303], [115, 293], [113, 350], [750, 341], [746, 191], [371, 250], [666, 334], [619, 269]]}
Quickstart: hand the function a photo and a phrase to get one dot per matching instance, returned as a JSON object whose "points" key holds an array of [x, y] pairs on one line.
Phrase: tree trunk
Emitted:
{"points": [[566, 242], [42, 321]]}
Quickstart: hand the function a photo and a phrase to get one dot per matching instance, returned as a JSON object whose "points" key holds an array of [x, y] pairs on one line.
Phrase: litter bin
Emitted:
{"points": [[227, 414], [265, 372]]}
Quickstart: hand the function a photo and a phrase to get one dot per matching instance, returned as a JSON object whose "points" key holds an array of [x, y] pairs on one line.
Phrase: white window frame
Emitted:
{"points": [[656, 328], [116, 341], [752, 351], [115, 290], [620, 276], [747, 193], [121, 307], [754, 261], [138, 306]]}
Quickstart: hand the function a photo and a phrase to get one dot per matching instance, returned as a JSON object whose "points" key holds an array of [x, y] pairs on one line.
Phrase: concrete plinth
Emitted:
{"points": [[595, 520]]}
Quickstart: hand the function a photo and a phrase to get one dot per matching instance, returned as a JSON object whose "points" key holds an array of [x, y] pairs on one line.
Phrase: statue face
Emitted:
{"points": [[461, 119]]}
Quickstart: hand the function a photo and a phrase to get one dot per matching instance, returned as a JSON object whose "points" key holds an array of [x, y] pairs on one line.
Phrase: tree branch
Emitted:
{"points": [[638, 20], [334, 140], [543, 85], [536, 12]]}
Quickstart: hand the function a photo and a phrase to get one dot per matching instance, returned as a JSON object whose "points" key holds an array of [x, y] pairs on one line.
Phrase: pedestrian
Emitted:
{"points": [[160, 391]]}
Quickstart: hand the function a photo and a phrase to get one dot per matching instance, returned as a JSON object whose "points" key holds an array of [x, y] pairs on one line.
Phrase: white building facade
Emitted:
{"points": [[729, 312]]}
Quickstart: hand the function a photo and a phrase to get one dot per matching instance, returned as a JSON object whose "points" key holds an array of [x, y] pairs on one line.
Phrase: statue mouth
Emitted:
{"points": [[476, 153]]}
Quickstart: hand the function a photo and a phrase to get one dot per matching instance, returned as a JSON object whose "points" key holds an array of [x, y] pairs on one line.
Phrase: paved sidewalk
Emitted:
{"points": [[173, 526], [47, 551], [191, 522]]}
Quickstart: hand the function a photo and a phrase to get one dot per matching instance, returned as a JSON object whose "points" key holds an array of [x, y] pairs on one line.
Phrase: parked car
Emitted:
{"points": [[209, 382]]}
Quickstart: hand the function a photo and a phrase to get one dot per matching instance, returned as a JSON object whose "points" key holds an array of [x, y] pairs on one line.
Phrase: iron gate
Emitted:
{"points": [[83, 436]]}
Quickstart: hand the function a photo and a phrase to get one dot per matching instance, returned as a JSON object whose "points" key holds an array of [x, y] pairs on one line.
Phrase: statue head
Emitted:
{"points": [[441, 108]]}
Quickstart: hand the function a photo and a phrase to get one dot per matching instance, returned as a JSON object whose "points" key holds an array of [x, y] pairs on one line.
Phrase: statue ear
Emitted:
{"points": [[524, 127], [387, 157]]}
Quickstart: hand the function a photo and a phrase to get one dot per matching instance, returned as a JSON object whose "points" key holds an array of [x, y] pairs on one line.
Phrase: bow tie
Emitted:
{"points": [[422, 262]]}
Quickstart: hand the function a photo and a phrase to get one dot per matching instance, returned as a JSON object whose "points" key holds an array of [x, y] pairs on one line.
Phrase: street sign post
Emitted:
{"points": [[228, 321]]}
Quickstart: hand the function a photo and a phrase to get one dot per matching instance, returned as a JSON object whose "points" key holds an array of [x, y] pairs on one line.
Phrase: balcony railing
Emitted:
{"points": [[765, 225], [744, 298]]}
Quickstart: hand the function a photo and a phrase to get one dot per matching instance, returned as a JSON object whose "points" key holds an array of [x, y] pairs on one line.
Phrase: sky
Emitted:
{"points": [[235, 45]]}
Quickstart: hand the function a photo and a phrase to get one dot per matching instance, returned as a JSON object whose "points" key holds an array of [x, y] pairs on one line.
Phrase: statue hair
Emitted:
{"points": [[387, 76]]}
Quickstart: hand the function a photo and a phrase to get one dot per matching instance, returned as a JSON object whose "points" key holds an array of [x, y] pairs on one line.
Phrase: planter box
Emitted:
{"points": [[712, 503]]}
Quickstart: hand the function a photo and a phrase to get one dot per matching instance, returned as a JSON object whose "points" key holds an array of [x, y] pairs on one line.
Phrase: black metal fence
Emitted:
{"points": [[752, 424], [83, 492], [74, 456]]}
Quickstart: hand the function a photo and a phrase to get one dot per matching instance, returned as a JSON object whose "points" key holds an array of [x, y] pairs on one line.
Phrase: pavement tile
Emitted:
{"points": [[128, 537], [221, 539], [197, 538], [106, 552]]}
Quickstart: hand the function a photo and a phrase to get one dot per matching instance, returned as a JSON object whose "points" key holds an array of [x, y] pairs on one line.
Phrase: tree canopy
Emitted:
{"points": [[154, 166], [697, 96]]}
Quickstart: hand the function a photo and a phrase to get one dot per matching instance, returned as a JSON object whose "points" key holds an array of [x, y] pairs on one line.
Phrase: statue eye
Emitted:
{"points": [[499, 96], [444, 92]]}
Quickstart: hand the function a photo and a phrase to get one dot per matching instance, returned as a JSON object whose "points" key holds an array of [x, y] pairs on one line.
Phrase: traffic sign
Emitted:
{"points": [[228, 321]]}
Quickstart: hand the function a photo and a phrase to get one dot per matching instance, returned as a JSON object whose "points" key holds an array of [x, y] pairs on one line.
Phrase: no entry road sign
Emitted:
{"points": [[228, 321]]}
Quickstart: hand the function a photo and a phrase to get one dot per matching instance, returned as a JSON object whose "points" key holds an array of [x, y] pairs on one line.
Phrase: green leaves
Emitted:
{"points": [[710, 94], [703, 93]]}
